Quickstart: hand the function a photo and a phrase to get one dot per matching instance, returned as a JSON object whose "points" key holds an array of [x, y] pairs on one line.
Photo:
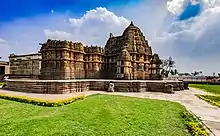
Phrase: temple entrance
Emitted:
{"points": [[2, 70]]}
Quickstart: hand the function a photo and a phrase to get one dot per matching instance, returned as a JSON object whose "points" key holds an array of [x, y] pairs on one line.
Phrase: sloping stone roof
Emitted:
{"points": [[132, 39], [4, 63]]}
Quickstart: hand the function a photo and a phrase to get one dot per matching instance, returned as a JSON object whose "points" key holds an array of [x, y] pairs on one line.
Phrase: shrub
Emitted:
{"points": [[48, 103], [214, 100], [193, 124], [3, 84]]}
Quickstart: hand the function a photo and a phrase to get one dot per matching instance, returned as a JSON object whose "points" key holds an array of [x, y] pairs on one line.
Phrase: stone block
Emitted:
{"points": [[168, 89]]}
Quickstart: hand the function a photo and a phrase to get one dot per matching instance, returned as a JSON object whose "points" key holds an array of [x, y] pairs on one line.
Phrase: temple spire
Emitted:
{"points": [[110, 35], [132, 24]]}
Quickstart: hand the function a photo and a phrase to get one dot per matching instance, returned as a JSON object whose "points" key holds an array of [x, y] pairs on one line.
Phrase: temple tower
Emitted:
{"points": [[134, 46], [62, 60]]}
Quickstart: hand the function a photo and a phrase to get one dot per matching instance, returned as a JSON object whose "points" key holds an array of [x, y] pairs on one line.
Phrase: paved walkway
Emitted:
{"points": [[209, 114]]}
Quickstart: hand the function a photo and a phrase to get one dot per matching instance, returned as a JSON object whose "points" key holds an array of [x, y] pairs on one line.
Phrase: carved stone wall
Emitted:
{"points": [[24, 66], [62, 60], [94, 62], [70, 86]]}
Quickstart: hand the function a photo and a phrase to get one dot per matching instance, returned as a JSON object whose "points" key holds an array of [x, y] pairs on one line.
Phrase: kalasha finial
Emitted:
{"points": [[111, 35], [132, 24]]}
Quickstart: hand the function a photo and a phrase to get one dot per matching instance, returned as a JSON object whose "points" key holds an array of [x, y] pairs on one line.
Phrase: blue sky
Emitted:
{"points": [[190, 11], [192, 41], [14, 9]]}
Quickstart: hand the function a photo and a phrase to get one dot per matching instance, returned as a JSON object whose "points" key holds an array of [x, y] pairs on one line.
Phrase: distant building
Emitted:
{"points": [[25, 66], [190, 78]]}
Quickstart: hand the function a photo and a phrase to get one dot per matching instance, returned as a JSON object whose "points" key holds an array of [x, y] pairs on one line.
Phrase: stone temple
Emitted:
{"points": [[128, 56], [126, 61]]}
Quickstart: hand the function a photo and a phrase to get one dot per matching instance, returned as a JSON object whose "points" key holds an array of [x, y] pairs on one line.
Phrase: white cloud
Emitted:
{"points": [[194, 41], [58, 35], [100, 14], [175, 6], [4, 49], [2, 41], [95, 25], [24, 35]]}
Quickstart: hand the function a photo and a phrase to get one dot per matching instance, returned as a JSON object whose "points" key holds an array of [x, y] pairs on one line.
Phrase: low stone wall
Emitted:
{"points": [[48, 87], [138, 85], [70, 86]]}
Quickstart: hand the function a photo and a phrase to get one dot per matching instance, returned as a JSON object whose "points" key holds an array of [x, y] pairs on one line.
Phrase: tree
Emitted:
{"points": [[172, 72], [195, 73], [184, 74], [171, 63], [175, 72], [168, 66], [213, 73]]}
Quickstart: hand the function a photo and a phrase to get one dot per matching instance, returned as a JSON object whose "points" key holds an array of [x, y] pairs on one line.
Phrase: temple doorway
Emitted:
{"points": [[2, 70]]}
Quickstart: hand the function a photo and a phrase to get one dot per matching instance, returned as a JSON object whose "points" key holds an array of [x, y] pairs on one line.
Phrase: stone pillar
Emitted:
{"points": [[185, 84]]}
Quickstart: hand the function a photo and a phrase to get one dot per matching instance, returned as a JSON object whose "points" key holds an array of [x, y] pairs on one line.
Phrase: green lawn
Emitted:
{"points": [[214, 100], [96, 115], [209, 88], [215, 89]]}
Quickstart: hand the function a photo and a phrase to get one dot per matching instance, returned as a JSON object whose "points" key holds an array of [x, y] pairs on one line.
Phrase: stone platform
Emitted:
{"points": [[71, 86]]}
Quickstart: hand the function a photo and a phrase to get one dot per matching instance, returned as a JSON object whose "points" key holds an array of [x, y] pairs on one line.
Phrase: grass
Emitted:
{"points": [[212, 99], [215, 89], [96, 115]]}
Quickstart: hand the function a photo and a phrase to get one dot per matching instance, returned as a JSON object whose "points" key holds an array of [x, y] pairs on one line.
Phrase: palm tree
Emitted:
{"points": [[167, 67], [176, 72], [195, 73], [213, 73], [200, 72], [171, 63]]}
